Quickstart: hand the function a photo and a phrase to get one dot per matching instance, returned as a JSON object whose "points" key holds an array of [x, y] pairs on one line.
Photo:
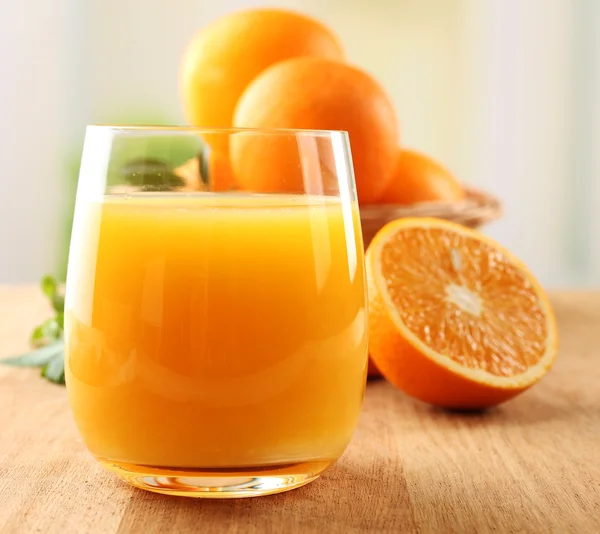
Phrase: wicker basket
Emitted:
{"points": [[475, 210]]}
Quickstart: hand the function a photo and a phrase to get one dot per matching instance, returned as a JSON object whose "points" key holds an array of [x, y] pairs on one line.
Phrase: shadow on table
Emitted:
{"points": [[368, 489], [345, 499], [531, 409]]}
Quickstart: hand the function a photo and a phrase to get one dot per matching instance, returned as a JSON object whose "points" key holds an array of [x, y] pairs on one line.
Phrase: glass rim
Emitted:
{"points": [[173, 129]]}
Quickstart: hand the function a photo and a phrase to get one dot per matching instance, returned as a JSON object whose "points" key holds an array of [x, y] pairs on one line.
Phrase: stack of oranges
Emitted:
{"points": [[455, 319], [274, 68]]}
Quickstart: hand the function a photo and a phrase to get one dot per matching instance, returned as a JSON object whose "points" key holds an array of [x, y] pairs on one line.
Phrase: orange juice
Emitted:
{"points": [[216, 331]]}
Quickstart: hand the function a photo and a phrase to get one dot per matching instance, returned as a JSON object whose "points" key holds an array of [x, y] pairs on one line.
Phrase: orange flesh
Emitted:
{"points": [[465, 299]]}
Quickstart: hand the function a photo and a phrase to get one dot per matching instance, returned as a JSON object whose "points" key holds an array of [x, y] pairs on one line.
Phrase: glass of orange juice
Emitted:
{"points": [[215, 317]]}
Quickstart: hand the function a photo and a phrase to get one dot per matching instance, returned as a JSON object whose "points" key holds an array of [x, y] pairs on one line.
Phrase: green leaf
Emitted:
{"points": [[36, 358], [60, 319], [58, 302], [49, 286], [151, 175], [54, 370], [37, 338], [51, 329]]}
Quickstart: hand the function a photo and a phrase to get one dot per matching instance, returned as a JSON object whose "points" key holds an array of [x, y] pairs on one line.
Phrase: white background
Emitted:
{"points": [[504, 92]]}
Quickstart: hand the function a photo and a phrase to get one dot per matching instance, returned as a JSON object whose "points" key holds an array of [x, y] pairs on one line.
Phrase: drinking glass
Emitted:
{"points": [[215, 317]]}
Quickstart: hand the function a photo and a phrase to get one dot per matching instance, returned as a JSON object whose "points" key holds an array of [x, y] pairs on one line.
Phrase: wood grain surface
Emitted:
{"points": [[531, 465]]}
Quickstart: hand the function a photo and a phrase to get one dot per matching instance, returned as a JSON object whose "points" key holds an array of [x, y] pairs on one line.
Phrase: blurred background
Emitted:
{"points": [[506, 93]]}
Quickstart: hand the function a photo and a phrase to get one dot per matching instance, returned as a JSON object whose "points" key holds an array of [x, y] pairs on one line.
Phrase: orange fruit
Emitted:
{"points": [[419, 178], [225, 56], [210, 172], [315, 94], [455, 319], [220, 174]]}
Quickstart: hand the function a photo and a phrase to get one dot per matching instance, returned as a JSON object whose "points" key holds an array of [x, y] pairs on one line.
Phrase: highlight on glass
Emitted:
{"points": [[215, 317]]}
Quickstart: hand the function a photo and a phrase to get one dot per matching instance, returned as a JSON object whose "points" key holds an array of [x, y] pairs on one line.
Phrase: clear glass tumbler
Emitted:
{"points": [[215, 318]]}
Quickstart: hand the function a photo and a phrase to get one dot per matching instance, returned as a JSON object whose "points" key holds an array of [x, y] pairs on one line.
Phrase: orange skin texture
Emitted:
{"points": [[224, 57], [419, 178], [316, 94]]}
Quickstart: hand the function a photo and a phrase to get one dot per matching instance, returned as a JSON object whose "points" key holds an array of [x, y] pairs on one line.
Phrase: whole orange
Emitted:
{"points": [[315, 94], [225, 56], [419, 178]]}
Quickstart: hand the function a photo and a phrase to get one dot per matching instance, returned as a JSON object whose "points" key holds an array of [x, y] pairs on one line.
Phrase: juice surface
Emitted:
{"points": [[216, 330]]}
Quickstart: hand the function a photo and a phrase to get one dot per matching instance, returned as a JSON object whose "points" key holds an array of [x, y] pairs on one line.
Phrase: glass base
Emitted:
{"points": [[219, 483]]}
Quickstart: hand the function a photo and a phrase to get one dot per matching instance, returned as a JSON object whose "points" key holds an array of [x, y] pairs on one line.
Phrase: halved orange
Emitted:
{"points": [[455, 319]]}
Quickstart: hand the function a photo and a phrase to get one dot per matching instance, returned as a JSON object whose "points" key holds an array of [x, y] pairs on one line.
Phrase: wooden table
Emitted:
{"points": [[532, 465]]}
